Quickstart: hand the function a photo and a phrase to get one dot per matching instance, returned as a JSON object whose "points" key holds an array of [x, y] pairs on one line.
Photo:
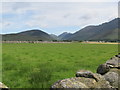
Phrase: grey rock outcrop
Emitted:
{"points": [[87, 74], [82, 82], [114, 62], [70, 83], [112, 77], [111, 71], [107, 76], [103, 68]]}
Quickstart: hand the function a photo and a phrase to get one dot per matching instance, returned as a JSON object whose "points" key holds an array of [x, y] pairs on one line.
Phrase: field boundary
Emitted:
{"points": [[85, 42]]}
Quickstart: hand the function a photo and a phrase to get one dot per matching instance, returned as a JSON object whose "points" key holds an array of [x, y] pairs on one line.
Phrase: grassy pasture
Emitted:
{"points": [[28, 65]]}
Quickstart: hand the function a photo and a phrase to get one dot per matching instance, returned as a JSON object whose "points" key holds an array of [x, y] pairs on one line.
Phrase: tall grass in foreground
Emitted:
{"points": [[28, 65]]}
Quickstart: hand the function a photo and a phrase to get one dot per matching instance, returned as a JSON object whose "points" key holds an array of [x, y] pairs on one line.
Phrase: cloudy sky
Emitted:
{"points": [[55, 17]]}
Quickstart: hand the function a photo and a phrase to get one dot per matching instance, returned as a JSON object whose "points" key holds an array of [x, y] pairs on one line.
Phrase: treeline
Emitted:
{"points": [[39, 41], [86, 40]]}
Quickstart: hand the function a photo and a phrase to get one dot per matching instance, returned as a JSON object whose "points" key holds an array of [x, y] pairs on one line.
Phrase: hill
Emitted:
{"points": [[27, 35], [106, 31], [64, 36], [55, 37]]}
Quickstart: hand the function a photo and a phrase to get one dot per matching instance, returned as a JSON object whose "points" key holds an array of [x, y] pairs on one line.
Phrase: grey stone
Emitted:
{"points": [[82, 82], [114, 62], [69, 83], [86, 74], [118, 55], [3, 85], [103, 68], [112, 77]]}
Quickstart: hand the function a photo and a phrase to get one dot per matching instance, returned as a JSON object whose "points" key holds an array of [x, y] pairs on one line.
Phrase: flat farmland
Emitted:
{"points": [[39, 65]]}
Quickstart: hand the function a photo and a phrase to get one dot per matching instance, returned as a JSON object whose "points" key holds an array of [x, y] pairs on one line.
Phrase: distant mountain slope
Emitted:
{"points": [[105, 31], [28, 35], [64, 36], [55, 37]]}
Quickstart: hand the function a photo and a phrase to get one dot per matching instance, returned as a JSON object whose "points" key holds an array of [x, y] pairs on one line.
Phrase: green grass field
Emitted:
{"points": [[29, 65]]}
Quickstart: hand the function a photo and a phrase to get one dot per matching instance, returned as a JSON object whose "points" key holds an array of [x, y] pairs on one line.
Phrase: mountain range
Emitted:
{"points": [[107, 31], [64, 36]]}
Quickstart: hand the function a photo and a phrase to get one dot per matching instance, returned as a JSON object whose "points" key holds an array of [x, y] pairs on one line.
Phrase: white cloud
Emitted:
{"points": [[72, 14], [49, 15], [60, 0], [7, 24]]}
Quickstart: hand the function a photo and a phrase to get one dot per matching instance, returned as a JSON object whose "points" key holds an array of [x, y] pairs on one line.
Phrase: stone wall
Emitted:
{"points": [[3, 85], [106, 76]]}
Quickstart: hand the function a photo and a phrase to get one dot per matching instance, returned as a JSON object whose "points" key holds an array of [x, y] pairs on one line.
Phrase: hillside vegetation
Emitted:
{"points": [[107, 31], [31, 35]]}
